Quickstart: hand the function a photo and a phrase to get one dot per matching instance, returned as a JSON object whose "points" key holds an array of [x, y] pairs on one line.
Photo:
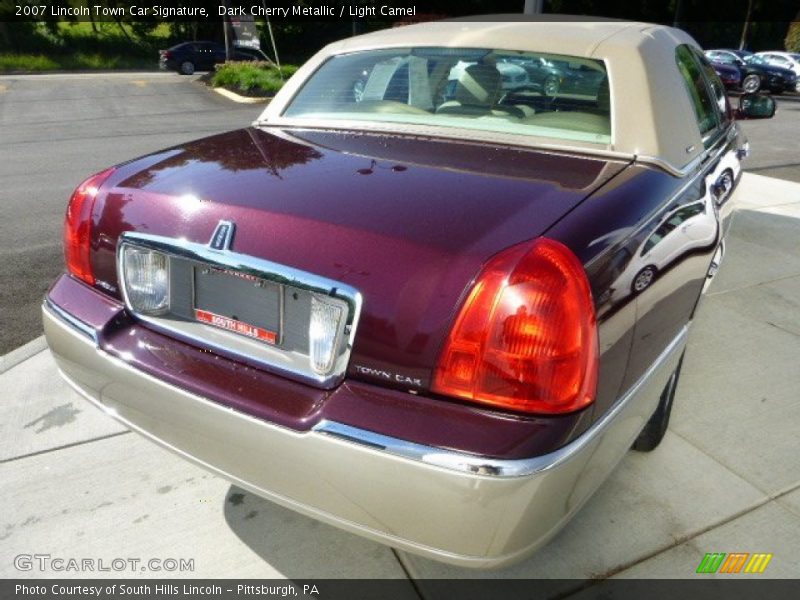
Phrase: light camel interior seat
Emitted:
{"points": [[594, 120], [476, 92]]}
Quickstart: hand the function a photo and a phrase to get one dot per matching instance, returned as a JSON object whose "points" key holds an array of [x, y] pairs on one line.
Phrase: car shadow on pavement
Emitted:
{"points": [[295, 546]]}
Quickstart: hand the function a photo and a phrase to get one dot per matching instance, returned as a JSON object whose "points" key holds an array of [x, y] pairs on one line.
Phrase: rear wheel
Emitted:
{"points": [[751, 83], [187, 67], [656, 427], [643, 279]]}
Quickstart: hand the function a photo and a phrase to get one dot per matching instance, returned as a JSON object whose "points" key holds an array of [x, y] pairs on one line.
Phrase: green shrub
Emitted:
{"points": [[26, 62], [78, 61], [251, 78], [36, 46], [792, 41], [289, 70]]}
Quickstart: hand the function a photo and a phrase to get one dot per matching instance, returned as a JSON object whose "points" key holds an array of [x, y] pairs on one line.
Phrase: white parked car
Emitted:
{"points": [[686, 228], [787, 60], [512, 76]]}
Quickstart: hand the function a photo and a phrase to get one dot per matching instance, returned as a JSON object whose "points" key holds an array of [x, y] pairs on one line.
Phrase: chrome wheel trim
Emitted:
{"points": [[751, 83], [643, 279], [551, 86]]}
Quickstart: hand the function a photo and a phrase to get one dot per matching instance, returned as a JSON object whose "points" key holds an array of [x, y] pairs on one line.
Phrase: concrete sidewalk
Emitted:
{"points": [[726, 478]]}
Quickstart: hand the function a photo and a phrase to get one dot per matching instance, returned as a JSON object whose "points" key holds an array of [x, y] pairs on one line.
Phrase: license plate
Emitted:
{"points": [[239, 303], [239, 327]]}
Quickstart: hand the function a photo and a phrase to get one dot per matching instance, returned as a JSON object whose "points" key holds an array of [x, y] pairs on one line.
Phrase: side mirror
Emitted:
{"points": [[755, 106]]}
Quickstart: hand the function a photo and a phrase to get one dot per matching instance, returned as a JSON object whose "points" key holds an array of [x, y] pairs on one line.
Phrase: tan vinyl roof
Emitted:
{"points": [[651, 114], [573, 38]]}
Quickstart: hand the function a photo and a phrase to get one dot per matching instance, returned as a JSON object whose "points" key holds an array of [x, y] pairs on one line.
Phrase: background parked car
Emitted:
{"points": [[512, 76], [757, 74], [551, 77], [682, 230], [188, 57], [543, 76], [730, 75], [578, 79], [786, 60]]}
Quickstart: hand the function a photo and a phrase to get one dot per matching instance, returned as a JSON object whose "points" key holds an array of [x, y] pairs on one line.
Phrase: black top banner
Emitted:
{"points": [[389, 11], [234, 10]]}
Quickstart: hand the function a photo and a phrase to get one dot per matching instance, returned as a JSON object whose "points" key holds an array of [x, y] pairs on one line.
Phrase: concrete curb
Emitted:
{"points": [[240, 99], [21, 354]]}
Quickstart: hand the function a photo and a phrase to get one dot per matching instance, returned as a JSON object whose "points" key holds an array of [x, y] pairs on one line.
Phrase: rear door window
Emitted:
{"points": [[705, 107], [716, 87]]}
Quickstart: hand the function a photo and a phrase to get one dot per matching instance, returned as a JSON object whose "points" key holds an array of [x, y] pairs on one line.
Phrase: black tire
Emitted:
{"points": [[187, 68], [751, 83], [643, 279], [656, 427]]}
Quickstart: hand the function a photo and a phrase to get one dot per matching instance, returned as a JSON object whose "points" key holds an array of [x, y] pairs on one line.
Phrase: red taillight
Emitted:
{"points": [[78, 226], [526, 337]]}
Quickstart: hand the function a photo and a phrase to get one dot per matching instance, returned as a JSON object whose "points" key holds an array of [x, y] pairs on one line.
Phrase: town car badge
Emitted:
{"points": [[223, 236]]}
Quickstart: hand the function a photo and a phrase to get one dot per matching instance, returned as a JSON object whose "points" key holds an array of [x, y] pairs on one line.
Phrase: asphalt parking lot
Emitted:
{"points": [[76, 484], [55, 130], [775, 141]]}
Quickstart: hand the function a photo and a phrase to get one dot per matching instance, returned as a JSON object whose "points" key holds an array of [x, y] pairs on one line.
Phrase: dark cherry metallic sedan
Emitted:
{"points": [[729, 75], [757, 74], [434, 318]]}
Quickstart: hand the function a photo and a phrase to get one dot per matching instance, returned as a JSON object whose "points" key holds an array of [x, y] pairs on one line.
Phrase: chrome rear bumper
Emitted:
{"points": [[452, 507]]}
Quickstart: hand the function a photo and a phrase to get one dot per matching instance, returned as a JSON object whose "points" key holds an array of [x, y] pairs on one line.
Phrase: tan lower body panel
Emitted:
{"points": [[462, 518]]}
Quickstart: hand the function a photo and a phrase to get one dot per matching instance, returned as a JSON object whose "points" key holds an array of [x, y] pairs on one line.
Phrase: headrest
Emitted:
{"points": [[478, 85]]}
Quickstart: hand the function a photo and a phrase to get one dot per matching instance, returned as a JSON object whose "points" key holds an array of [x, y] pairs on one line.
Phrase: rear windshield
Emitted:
{"points": [[522, 93]]}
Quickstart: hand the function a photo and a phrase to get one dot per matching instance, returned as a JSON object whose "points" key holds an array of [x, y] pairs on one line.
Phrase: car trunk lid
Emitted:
{"points": [[406, 221]]}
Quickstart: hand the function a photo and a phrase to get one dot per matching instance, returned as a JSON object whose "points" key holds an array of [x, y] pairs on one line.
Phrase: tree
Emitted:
{"points": [[743, 40], [792, 41]]}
